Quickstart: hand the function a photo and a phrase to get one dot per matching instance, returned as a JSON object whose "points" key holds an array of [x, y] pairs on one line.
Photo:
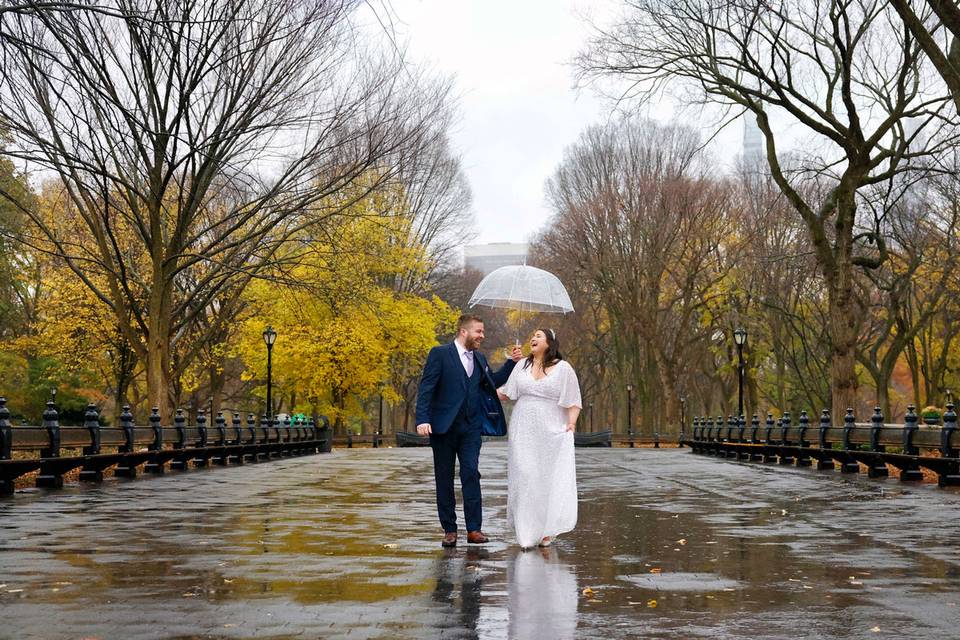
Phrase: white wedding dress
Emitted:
{"points": [[541, 476]]}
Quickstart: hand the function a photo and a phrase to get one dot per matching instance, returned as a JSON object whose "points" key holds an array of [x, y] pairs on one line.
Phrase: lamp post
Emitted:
{"points": [[591, 417], [630, 413], [740, 338], [376, 438], [683, 415], [269, 337], [53, 395]]}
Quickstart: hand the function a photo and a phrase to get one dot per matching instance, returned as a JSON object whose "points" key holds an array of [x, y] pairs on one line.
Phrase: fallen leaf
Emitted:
{"points": [[392, 545], [588, 592], [652, 604], [228, 581], [682, 541], [14, 590], [875, 630], [656, 570], [594, 600]]}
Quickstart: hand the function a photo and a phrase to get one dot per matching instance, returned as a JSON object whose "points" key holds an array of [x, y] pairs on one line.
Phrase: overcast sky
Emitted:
{"points": [[519, 109]]}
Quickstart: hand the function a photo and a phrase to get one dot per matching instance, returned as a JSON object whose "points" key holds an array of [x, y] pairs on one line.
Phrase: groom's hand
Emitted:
{"points": [[424, 429], [516, 354]]}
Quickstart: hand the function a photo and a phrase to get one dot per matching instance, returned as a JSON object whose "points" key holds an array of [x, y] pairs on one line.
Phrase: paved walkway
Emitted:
{"points": [[670, 545]]}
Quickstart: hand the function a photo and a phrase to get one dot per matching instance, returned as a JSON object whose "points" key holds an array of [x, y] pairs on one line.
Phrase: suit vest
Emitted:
{"points": [[470, 410]]}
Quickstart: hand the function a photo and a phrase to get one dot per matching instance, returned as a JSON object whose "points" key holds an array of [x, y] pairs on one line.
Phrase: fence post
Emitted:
{"points": [[824, 461], [155, 464], [6, 432], [50, 476], [910, 470], [876, 468], [6, 446], [91, 422], [730, 450], [263, 449], [220, 457], [951, 475], [803, 459], [849, 465], [237, 456], [250, 451], [325, 435], [200, 460], [180, 424], [286, 450], [755, 455], [278, 450], [769, 454], [126, 468], [785, 457]]}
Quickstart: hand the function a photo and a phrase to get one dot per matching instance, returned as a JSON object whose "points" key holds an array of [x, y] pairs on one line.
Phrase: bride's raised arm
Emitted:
{"points": [[511, 390]]}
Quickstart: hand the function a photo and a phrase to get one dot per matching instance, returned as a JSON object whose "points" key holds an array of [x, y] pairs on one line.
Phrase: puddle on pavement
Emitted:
{"points": [[660, 558]]}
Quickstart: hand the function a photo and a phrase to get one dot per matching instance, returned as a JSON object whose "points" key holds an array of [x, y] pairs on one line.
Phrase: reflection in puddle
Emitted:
{"points": [[682, 582], [543, 595]]}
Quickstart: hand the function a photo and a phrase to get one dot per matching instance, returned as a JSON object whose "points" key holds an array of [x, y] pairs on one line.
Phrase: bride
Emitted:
{"points": [[541, 477]]}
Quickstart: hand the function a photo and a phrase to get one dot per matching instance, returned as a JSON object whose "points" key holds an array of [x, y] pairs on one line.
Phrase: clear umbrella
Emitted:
{"points": [[523, 288], [526, 289]]}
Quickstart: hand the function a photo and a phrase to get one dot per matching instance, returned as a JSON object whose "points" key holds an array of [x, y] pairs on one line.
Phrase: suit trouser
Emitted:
{"points": [[462, 441]]}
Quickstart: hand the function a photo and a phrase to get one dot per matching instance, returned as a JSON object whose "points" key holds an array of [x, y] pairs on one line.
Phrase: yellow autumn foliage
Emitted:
{"points": [[344, 333]]}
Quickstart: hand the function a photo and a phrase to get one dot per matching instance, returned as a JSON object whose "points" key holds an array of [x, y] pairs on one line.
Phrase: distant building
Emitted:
{"points": [[489, 257], [753, 151]]}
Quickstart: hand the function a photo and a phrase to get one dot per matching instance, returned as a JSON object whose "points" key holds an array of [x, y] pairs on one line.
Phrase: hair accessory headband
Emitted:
{"points": [[553, 334]]}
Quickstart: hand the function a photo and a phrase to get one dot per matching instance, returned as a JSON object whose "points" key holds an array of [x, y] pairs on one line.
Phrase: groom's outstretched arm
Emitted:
{"points": [[501, 376], [428, 385]]}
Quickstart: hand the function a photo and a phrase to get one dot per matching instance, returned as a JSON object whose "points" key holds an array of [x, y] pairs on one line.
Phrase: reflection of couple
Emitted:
{"points": [[459, 401], [542, 600]]}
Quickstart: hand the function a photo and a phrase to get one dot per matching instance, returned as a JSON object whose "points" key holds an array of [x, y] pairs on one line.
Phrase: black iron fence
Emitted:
{"points": [[53, 450], [849, 447]]}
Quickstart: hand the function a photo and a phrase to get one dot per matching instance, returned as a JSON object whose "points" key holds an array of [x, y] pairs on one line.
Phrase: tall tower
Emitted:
{"points": [[753, 151]]}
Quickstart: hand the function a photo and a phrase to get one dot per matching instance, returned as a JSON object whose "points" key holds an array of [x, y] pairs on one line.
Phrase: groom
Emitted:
{"points": [[457, 403]]}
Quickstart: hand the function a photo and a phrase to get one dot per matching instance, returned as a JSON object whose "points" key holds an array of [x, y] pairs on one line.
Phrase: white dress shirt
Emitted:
{"points": [[466, 358]]}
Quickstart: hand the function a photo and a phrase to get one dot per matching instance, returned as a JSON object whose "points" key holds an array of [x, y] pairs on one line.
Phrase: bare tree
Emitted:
{"points": [[936, 26], [194, 139], [841, 71], [637, 232]]}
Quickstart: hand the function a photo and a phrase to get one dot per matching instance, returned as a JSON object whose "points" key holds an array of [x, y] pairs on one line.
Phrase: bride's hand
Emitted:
{"points": [[571, 427], [503, 397]]}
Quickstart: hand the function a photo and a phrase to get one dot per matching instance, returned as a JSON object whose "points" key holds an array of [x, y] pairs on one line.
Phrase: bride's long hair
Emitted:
{"points": [[552, 355]]}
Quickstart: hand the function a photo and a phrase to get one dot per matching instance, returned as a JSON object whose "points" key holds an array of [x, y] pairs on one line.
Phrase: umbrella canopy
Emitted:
{"points": [[523, 288]]}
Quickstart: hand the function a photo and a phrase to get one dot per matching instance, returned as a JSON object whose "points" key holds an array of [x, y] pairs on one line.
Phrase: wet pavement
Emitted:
{"points": [[346, 545]]}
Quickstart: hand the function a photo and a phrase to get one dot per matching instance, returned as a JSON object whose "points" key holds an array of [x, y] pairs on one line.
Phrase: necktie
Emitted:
{"points": [[468, 363]]}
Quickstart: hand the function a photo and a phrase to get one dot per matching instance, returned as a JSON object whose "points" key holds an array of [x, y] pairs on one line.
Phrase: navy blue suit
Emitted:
{"points": [[459, 410]]}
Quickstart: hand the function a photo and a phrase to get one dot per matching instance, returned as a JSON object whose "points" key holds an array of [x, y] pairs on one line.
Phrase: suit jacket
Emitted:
{"points": [[443, 386]]}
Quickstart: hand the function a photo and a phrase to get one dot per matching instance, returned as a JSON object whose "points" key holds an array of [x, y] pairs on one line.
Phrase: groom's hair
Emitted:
{"points": [[466, 319]]}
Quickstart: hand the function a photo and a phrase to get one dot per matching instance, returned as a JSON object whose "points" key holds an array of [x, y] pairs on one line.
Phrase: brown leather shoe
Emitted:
{"points": [[449, 539], [477, 537]]}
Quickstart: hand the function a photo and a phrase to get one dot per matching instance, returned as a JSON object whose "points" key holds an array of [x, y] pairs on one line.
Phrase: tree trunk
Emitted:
{"points": [[843, 338], [158, 347]]}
